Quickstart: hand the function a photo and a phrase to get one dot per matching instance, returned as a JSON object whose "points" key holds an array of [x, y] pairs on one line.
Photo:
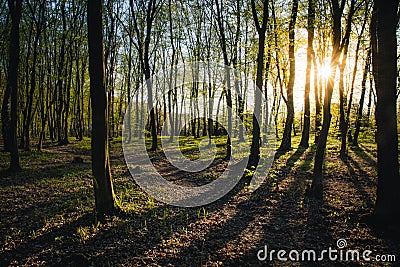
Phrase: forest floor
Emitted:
{"points": [[47, 213]]}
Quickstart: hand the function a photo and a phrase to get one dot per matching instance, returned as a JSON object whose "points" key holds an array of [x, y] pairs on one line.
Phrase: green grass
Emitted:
{"points": [[84, 144]]}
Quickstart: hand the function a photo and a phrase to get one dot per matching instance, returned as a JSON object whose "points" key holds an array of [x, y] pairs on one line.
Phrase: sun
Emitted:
{"points": [[325, 71]]}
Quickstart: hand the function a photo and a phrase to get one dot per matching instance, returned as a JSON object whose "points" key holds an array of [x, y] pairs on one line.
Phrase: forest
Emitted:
{"points": [[199, 133]]}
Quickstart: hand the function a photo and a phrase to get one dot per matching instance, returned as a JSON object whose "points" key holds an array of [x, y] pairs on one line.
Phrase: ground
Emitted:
{"points": [[47, 213]]}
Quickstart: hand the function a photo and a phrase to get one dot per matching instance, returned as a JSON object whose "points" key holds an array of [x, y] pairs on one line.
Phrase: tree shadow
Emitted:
{"points": [[269, 216], [119, 238], [35, 174], [366, 157], [32, 247], [294, 158], [277, 212], [359, 185], [27, 217], [115, 242]]}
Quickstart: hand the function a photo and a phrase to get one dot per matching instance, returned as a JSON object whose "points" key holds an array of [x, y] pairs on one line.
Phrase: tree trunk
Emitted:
{"points": [[144, 53], [14, 53], [342, 102], [350, 99], [310, 51], [61, 77], [287, 133], [362, 97], [223, 44], [5, 119], [316, 186], [261, 29], [317, 98], [103, 187], [387, 207]]}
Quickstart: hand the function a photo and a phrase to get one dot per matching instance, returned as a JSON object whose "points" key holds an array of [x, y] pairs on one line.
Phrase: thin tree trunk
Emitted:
{"points": [[261, 30], [350, 100], [369, 106], [310, 52], [362, 97], [342, 102], [144, 51], [129, 94], [223, 44], [287, 133], [5, 119], [316, 186], [317, 99]]}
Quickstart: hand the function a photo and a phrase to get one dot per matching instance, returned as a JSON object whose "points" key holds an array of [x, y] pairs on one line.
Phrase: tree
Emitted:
{"points": [[15, 7], [38, 20], [228, 93], [261, 30], [362, 97], [61, 78], [350, 98], [287, 133], [316, 186], [310, 52], [143, 46], [384, 57], [103, 187], [344, 48]]}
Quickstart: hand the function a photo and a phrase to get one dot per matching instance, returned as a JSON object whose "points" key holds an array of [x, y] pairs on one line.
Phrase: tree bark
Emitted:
{"points": [[387, 207], [103, 187], [310, 52], [12, 83], [223, 44], [342, 102], [287, 133], [261, 30], [362, 97], [144, 53], [350, 98], [316, 186]]}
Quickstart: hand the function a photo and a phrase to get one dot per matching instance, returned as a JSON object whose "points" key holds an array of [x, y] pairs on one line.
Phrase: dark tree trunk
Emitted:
{"points": [[61, 77], [310, 51], [103, 187], [223, 44], [362, 97], [387, 208], [369, 105], [350, 98], [171, 84], [12, 83], [261, 29], [266, 82], [342, 102], [5, 119], [316, 186], [29, 112], [144, 52], [129, 95], [26, 78], [317, 98], [287, 133]]}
